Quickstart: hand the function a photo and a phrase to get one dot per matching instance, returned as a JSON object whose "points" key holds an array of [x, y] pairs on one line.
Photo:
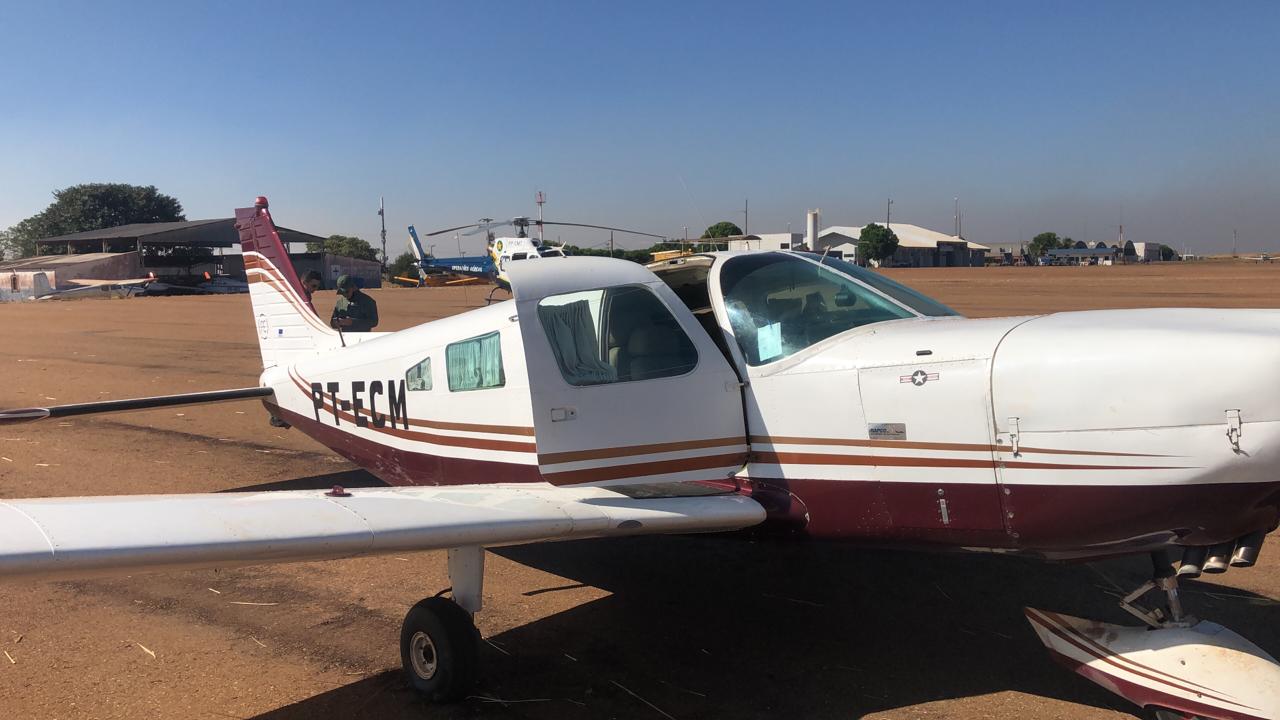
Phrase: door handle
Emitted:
{"points": [[563, 414]]}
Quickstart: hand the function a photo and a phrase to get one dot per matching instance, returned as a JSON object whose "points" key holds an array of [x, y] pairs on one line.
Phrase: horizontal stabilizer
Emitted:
{"points": [[80, 537], [147, 403]]}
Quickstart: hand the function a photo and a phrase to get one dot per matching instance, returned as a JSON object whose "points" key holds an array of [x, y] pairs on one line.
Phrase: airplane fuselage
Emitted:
{"points": [[1061, 435]]}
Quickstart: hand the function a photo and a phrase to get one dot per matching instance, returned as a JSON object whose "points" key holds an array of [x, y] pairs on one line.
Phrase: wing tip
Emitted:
{"points": [[20, 415]]}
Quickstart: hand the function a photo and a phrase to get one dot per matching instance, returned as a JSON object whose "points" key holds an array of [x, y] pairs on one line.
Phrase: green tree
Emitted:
{"points": [[724, 228], [406, 265], [1041, 244], [1129, 249], [877, 242], [91, 206], [1167, 253], [344, 245]]}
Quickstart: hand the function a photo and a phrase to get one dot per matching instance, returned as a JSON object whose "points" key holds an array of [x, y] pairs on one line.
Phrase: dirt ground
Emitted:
{"points": [[638, 628]]}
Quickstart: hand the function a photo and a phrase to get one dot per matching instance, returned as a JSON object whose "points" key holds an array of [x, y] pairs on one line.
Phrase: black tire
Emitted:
{"points": [[439, 649]]}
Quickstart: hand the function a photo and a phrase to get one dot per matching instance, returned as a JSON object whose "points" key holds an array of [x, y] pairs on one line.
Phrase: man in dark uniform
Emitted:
{"points": [[354, 311], [311, 283]]}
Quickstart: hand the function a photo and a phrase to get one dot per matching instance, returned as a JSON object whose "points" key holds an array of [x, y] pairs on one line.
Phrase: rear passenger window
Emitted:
{"points": [[419, 376], [475, 364], [618, 334]]}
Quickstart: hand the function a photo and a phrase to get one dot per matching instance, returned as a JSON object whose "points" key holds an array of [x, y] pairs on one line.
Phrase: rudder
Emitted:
{"points": [[288, 326]]}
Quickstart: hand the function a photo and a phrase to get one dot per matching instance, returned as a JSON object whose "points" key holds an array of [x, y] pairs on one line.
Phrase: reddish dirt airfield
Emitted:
{"points": [[639, 628]]}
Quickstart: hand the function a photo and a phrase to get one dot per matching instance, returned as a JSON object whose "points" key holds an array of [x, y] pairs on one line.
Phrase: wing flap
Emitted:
{"points": [[80, 537]]}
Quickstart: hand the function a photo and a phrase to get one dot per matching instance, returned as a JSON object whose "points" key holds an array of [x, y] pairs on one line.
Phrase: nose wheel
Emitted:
{"points": [[439, 648]]}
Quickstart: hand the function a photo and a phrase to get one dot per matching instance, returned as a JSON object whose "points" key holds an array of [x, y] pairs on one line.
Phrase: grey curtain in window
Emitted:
{"points": [[476, 363], [572, 334]]}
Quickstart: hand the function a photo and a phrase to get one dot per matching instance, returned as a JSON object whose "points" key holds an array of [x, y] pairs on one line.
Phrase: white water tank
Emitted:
{"points": [[811, 230]]}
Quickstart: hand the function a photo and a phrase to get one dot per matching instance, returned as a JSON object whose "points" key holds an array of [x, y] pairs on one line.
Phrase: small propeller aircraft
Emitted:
{"points": [[1264, 257], [783, 392], [500, 252]]}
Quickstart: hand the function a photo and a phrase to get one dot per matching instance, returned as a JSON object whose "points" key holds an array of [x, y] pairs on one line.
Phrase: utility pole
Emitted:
{"points": [[458, 239], [746, 217], [684, 247], [382, 213], [1233, 242], [888, 210], [610, 243], [541, 199], [957, 217]]}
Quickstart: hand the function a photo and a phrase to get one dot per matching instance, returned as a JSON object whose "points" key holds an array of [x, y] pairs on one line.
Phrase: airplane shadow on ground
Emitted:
{"points": [[726, 627], [346, 478]]}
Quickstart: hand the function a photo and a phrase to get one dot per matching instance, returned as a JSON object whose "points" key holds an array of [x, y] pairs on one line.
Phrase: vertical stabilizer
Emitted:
{"points": [[415, 247], [288, 327]]}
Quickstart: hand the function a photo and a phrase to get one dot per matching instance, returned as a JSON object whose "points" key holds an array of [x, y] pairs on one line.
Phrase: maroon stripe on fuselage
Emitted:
{"points": [[798, 458], [919, 445], [404, 467], [390, 429], [1047, 519]]}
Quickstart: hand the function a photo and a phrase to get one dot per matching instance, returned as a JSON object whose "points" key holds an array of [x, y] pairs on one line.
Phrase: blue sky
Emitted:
{"points": [[1072, 117]]}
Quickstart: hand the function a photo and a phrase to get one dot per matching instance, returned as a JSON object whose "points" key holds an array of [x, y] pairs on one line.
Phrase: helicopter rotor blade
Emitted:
{"points": [[597, 227], [482, 227], [452, 229]]}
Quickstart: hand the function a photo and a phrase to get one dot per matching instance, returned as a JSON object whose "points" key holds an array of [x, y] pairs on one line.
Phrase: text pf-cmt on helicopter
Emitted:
{"points": [[500, 252], [781, 391]]}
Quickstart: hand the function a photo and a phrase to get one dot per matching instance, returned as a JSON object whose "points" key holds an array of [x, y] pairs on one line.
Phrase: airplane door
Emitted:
{"points": [[934, 462], [627, 388]]}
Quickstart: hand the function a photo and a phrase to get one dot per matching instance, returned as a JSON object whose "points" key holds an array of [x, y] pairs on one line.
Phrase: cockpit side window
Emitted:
{"points": [[779, 304]]}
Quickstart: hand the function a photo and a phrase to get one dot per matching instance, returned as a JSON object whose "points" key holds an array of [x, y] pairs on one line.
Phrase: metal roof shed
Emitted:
{"points": [[216, 233]]}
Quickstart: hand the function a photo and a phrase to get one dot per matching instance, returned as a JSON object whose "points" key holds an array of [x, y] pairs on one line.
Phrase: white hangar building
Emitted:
{"points": [[917, 246]]}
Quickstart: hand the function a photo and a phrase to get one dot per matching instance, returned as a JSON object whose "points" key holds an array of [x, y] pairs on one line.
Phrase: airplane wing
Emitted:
{"points": [[79, 537]]}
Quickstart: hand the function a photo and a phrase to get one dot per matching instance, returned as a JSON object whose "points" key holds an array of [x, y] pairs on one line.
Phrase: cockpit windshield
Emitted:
{"points": [[921, 303], [779, 304]]}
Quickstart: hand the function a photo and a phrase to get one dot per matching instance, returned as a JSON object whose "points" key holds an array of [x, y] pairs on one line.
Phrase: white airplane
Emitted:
{"points": [[768, 390], [1264, 257]]}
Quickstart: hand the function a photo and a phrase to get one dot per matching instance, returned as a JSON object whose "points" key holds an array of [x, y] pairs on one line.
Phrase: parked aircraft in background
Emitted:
{"points": [[1264, 257], [84, 288], [500, 252], [779, 391]]}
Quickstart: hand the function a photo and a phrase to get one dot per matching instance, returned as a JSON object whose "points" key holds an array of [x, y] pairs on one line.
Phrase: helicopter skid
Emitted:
{"points": [[1201, 669]]}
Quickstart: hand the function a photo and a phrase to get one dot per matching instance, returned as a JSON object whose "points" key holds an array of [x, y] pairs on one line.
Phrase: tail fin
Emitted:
{"points": [[288, 327], [415, 247]]}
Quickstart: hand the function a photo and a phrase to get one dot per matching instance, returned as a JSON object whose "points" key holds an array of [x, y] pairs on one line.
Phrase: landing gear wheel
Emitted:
{"points": [[439, 649]]}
